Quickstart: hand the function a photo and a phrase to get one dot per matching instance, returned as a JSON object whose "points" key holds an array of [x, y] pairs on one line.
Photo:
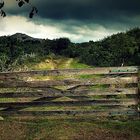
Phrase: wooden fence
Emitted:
{"points": [[110, 91]]}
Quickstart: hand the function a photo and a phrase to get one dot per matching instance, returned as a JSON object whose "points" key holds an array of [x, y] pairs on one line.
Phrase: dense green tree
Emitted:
{"points": [[60, 44], [111, 51]]}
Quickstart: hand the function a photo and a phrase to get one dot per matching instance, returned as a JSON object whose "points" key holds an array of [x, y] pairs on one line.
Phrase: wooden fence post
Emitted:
{"points": [[139, 90]]}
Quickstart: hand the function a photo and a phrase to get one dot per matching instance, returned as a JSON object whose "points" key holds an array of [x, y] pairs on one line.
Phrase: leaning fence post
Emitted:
{"points": [[139, 91]]}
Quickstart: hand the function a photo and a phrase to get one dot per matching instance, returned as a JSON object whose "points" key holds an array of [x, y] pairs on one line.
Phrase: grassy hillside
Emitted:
{"points": [[114, 50], [49, 62]]}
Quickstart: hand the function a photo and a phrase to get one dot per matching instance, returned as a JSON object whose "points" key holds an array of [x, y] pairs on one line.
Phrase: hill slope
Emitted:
{"points": [[19, 49]]}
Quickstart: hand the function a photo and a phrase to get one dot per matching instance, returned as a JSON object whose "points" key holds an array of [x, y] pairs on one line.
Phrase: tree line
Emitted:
{"points": [[115, 50]]}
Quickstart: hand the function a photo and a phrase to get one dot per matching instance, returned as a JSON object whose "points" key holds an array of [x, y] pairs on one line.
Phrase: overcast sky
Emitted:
{"points": [[79, 20]]}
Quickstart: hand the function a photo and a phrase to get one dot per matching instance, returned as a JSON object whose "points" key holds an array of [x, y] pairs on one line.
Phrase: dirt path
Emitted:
{"points": [[68, 62]]}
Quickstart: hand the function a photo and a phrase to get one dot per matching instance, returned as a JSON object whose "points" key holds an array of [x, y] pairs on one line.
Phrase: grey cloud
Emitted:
{"points": [[105, 12], [84, 9], [88, 9], [71, 16]]}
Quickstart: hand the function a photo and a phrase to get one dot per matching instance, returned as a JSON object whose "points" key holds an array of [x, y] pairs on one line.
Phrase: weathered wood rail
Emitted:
{"points": [[106, 91]]}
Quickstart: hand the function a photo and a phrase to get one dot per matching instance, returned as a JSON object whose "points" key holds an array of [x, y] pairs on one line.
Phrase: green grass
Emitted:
{"points": [[76, 64], [132, 126], [52, 62], [69, 129]]}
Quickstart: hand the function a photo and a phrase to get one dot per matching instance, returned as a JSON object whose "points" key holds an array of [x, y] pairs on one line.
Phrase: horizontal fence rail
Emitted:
{"points": [[95, 81], [102, 102], [76, 93], [50, 113], [106, 91], [103, 70]]}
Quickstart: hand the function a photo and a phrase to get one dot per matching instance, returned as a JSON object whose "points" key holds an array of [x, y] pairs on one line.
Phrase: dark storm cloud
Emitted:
{"points": [[115, 14], [88, 9], [104, 12], [80, 19]]}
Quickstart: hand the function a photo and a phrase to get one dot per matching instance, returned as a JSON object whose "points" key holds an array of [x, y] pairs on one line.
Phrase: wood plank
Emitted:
{"points": [[68, 82], [139, 81], [97, 102], [50, 92], [53, 113], [58, 72]]}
